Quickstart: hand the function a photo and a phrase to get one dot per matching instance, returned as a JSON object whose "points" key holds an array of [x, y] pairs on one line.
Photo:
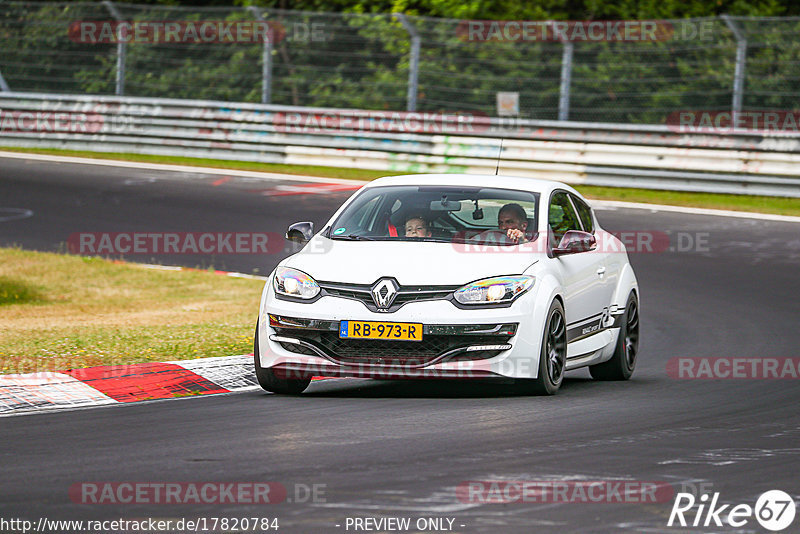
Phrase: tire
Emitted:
{"points": [[623, 362], [269, 381], [553, 354]]}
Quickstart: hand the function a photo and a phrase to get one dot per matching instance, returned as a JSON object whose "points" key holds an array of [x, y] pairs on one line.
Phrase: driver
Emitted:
{"points": [[513, 221]]}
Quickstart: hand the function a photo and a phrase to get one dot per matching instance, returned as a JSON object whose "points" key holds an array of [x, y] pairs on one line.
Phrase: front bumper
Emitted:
{"points": [[303, 338], [441, 343]]}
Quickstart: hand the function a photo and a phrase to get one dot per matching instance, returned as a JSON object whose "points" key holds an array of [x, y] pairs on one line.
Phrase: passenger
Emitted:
{"points": [[417, 226]]}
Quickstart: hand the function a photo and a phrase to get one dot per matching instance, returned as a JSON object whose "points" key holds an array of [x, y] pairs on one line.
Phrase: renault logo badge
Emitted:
{"points": [[383, 292]]}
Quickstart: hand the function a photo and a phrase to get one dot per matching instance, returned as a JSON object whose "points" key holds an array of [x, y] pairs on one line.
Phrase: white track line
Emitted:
{"points": [[232, 274], [271, 176]]}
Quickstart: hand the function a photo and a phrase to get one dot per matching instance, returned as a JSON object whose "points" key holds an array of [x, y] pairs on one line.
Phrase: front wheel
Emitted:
{"points": [[269, 381], [553, 354], [622, 363]]}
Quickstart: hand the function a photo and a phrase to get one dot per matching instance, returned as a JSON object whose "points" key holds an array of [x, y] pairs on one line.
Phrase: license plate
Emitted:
{"points": [[377, 330]]}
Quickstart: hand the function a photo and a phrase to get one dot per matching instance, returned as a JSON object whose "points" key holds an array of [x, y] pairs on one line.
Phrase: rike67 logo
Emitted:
{"points": [[774, 510]]}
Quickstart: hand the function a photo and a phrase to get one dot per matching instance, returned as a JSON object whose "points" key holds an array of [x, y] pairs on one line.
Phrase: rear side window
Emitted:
{"points": [[585, 213]]}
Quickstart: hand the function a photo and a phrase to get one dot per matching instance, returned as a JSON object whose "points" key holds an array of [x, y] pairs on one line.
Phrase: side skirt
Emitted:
{"points": [[592, 349]]}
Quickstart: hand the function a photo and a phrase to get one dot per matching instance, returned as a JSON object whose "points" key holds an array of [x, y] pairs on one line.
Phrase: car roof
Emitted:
{"points": [[476, 180]]}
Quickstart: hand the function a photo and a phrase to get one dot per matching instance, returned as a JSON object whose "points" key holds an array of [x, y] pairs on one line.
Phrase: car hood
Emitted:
{"points": [[410, 263]]}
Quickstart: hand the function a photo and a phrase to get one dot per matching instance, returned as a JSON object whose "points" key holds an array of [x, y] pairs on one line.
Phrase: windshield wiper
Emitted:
{"points": [[433, 239], [354, 237]]}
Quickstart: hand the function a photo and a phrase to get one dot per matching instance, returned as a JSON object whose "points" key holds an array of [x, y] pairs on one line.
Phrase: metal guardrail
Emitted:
{"points": [[643, 156]]}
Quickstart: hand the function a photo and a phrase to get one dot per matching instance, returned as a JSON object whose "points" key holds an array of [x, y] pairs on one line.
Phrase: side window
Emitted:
{"points": [[561, 216], [585, 213]]}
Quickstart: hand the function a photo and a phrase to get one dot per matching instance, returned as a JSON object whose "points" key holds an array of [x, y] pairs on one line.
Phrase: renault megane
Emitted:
{"points": [[451, 276]]}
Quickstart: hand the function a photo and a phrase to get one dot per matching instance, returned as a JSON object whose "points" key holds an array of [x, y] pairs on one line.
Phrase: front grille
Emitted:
{"points": [[384, 352], [405, 294], [412, 295]]}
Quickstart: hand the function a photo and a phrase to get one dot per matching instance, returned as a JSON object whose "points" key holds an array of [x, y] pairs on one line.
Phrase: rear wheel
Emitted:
{"points": [[623, 362], [269, 381], [553, 354]]}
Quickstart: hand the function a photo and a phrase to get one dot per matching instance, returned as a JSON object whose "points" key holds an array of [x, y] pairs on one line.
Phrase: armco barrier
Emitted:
{"points": [[644, 156]]}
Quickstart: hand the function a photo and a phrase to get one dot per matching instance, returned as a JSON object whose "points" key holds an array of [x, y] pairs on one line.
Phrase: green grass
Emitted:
{"points": [[13, 291], [753, 203], [750, 203], [81, 312]]}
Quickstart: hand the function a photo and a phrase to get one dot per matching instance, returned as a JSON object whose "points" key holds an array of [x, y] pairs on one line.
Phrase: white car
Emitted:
{"points": [[476, 291]]}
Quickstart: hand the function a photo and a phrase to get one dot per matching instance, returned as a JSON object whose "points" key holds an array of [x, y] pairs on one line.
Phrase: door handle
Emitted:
{"points": [[601, 271]]}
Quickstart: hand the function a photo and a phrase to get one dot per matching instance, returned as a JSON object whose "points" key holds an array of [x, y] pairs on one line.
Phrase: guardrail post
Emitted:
{"points": [[266, 59], [566, 80], [121, 48], [413, 68], [3, 85], [741, 58]]}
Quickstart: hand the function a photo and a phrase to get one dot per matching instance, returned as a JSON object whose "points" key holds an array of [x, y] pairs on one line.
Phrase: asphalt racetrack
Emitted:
{"points": [[403, 449]]}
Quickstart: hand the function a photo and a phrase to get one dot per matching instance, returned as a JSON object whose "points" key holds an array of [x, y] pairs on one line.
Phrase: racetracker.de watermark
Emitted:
{"points": [[50, 121], [179, 32], [178, 493], [726, 121], [733, 368], [565, 31], [118, 243], [381, 121], [631, 242], [468, 365], [548, 491]]}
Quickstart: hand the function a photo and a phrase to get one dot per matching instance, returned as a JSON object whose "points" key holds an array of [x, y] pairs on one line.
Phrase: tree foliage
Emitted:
{"points": [[363, 59], [516, 10]]}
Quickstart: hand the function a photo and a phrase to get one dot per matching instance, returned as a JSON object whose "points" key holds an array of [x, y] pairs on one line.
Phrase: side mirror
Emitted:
{"points": [[300, 232], [575, 241]]}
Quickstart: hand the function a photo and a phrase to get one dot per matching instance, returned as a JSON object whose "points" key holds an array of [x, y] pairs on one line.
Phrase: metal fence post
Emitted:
{"points": [[121, 48], [266, 59], [741, 58], [3, 85], [413, 68], [566, 79]]}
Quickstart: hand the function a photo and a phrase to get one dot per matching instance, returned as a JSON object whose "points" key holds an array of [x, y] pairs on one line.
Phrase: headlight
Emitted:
{"points": [[293, 283], [497, 290]]}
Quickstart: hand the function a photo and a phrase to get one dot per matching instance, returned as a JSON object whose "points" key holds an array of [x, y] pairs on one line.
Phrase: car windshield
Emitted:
{"points": [[438, 213]]}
